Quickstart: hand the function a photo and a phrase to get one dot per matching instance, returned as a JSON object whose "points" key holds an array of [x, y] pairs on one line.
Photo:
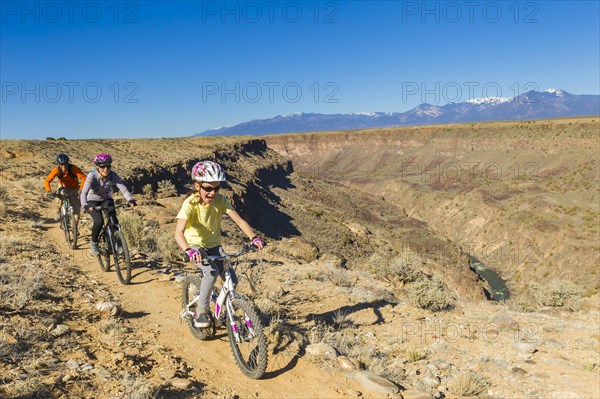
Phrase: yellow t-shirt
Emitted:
{"points": [[203, 227]]}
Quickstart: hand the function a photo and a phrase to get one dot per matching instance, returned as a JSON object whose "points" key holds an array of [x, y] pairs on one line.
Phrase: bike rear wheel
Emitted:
{"points": [[121, 257], [70, 228], [191, 288], [104, 253], [250, 346]]}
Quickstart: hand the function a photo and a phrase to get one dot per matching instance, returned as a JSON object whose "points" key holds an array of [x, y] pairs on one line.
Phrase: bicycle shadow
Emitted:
{"points": [[139, 269], [287, 345]]}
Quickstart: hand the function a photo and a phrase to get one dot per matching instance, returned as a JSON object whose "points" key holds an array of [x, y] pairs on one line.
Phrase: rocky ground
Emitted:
{"points": [[347, 313]]}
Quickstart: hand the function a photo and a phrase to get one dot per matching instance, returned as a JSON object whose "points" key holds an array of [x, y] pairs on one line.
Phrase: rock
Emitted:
{"points": [[376, 383], [119, 356], [179, 278], [412, 394], [347, 363], [370, 335], [72, 364], [167, 374], [181, 383], [87, 366], [59, 330], [67, 378], [110, 308], [524, 350], [518, 371], [321, 349], [430, 380], [351, 393]]}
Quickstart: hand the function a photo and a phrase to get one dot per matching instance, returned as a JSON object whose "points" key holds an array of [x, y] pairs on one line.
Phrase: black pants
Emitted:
{"points": [[99, 219]]}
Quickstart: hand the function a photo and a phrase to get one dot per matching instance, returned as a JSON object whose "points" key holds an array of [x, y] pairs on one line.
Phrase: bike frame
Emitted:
{"points": [[225, 295], [66, 206], [109, 227]]}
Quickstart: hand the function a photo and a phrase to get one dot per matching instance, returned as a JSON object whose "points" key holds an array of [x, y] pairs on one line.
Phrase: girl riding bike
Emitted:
{"points": [[198, 230], [97, 190]]}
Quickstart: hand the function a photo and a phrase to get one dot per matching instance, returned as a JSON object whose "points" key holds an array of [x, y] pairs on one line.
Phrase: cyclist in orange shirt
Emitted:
{"points": [[71, 179]]}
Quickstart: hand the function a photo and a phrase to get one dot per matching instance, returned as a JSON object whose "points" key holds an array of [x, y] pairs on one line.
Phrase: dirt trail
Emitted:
{"points": [[154, 306]]}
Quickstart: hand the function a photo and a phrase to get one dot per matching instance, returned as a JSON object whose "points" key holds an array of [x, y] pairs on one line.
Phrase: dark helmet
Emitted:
{"points": [[62, 159]]}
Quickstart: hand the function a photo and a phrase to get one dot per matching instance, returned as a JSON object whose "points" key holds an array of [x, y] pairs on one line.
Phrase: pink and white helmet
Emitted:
{"points": [[207, 171], [102, 158]]}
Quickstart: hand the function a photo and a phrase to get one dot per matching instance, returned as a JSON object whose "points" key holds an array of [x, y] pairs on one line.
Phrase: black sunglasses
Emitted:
{"points": [[210, 189], [105, 166]]}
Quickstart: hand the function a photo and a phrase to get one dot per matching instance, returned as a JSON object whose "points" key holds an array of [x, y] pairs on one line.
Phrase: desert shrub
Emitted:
{"points": [[430, 293], [18, 288], [166, 189], [149, 191], [137, 387], [467, 383], [30, 388], [167, 247], [559, 293], [341, 278], [393, 269], [133, 228]]}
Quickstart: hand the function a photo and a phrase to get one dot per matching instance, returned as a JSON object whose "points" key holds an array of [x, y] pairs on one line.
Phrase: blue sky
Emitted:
{"points": [[91, 69]]}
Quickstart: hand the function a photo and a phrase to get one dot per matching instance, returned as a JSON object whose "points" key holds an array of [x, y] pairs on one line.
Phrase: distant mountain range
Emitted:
{"points": [[551, 103]]}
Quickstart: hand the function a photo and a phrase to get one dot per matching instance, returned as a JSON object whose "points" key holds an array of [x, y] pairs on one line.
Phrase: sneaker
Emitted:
{"points": [[202, 320], [94, 248]]}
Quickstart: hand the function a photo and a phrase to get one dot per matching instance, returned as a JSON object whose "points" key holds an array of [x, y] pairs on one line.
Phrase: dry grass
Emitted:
{"points": [[166, 189], [559, 293], [167, 247], [467, 384], [430, 293], [19, 285], [134, 386]]}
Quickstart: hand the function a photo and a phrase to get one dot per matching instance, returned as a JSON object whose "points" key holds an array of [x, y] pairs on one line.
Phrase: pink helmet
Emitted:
{"points": [[207, 171], [102, 158]]}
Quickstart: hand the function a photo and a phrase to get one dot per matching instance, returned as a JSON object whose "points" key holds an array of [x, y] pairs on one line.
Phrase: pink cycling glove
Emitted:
{"points": [[256, 240], [191, 253]]}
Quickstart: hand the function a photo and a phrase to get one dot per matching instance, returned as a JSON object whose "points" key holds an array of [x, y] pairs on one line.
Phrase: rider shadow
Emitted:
{"points": [[328, 318]]}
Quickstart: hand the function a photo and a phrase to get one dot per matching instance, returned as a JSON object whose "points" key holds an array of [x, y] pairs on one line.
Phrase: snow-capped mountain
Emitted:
{"points": [[551, 103]]}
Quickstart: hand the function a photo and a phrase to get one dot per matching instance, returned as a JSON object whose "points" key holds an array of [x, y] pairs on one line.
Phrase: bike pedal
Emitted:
{"points": [[184, 314]]}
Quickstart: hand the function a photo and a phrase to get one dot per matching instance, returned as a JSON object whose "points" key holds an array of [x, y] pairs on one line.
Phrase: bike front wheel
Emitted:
{"points": [[247, 338], [104, 253], [191, 289], [122, 258], [70, 228]]}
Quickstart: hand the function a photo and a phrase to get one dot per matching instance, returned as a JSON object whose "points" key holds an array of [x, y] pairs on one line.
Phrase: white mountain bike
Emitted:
{"points": [[244, 327]]}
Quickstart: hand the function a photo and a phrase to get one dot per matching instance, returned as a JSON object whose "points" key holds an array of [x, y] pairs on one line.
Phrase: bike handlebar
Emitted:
{"points": [[247, 248], [109, 208]]}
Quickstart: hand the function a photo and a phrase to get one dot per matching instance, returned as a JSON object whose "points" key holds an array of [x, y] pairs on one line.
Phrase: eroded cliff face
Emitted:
{"points": [[520, 196]]}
